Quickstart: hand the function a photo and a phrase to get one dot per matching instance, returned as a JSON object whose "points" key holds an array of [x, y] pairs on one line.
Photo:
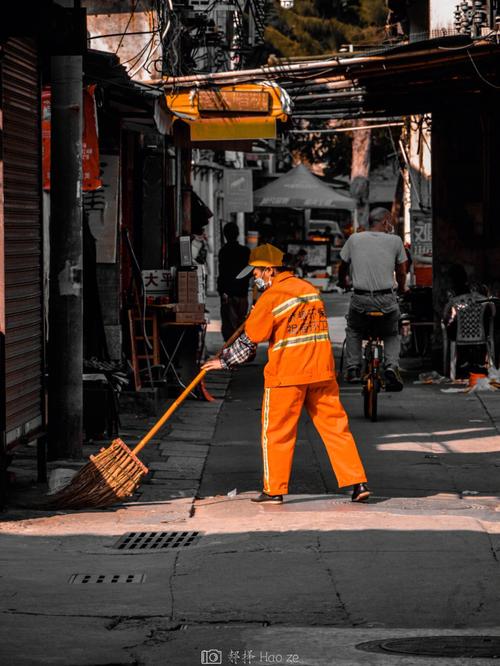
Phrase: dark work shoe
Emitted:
{"points": [[360, 492], [353, 375], [264, 498], [393, 381]]}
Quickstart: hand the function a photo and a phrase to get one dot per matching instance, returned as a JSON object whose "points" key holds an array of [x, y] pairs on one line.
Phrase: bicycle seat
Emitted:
{"points": [[374, 324]]}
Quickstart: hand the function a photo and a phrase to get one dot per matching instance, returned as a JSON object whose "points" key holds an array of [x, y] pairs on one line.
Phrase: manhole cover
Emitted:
{"points": [[472, 647], [426, 505], [155, 540], [436, 506], [87, 579]]}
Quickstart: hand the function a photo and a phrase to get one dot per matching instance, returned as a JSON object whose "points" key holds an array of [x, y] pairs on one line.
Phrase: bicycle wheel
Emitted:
{"points": [[366, 402], [373, 402], [370, 395], [370, 402]]}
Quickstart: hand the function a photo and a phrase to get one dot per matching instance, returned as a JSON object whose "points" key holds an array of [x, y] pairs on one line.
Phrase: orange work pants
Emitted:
{"points": [[281, 410]]}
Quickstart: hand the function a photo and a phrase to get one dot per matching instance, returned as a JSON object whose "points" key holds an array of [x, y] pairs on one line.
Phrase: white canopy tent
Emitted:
{"points": [[299, 188]]}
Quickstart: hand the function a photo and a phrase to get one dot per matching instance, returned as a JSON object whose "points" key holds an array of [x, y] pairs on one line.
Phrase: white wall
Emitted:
{"points": [[130, 45], [208, 187], [442, 15], [420, 159]]}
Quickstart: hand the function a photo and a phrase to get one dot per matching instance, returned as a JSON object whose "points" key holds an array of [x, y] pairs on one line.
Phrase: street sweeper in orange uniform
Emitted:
{"points": [[300, 371]]}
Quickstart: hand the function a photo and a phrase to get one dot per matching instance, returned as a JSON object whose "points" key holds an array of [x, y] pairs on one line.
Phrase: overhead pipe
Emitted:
{"points": [[280, 71], [345, 129]]}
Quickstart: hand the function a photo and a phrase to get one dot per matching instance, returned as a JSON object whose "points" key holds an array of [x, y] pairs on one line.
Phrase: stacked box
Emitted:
{"points": [[187, 287], [201, 284], [189, 317], [189, 309]]}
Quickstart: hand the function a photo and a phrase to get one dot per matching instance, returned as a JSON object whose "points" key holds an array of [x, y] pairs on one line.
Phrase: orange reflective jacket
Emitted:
{"points": [[291, 315]]}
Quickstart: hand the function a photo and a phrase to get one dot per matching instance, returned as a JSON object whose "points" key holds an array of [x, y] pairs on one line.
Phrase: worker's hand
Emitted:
{"points": [[212, 364]]}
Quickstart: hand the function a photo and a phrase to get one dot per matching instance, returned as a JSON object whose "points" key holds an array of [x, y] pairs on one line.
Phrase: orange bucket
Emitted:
{"points": [[474, 376]]}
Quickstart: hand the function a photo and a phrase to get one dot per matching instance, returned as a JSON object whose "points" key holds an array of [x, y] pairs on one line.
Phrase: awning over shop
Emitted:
{"points": [[299, 188], [230, 113]]}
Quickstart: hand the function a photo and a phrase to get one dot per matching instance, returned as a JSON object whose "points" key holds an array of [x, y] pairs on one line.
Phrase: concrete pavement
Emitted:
{"points": [[305, 582]]}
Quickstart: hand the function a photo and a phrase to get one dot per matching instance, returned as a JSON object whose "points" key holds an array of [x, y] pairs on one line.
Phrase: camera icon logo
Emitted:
{"points": [[211, 657]]}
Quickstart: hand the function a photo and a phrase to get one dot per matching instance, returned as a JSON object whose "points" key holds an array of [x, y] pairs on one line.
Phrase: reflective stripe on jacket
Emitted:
{"points": [[291, 315]]}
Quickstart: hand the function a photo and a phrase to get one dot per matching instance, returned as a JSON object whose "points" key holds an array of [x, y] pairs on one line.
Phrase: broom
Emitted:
{"points": [[115, 472]]}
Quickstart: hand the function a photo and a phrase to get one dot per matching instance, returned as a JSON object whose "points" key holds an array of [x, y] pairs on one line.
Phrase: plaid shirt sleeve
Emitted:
{"points": [[240, 351]]}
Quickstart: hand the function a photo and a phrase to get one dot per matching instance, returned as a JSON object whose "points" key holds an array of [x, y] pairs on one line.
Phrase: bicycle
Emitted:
{"points": [[372, 361], [373, 358], [373, 378], [375, 326]]}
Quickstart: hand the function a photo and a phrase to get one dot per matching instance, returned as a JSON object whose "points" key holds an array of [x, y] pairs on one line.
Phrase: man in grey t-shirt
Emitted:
{"points": [[374, 258]]}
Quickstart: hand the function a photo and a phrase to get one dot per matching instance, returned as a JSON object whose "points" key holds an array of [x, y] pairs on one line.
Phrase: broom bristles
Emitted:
{"points": [[110, 476]]}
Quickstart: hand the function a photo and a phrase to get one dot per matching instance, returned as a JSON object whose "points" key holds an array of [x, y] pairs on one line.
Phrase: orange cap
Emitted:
{"points": [[262, 256]]}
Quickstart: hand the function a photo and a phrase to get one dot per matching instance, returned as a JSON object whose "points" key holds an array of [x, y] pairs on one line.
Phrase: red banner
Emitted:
{"points": [[90, 142]]}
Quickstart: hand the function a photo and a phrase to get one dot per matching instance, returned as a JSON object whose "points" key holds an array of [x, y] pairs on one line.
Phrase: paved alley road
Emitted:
{"points": [[305, 582]]}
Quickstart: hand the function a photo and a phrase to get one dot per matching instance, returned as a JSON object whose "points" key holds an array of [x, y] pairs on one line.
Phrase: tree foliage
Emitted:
{"points": [[315, 27], [333, 151]]}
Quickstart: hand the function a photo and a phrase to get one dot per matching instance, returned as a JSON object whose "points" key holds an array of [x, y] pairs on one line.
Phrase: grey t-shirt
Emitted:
{"points": [[373, 256]]}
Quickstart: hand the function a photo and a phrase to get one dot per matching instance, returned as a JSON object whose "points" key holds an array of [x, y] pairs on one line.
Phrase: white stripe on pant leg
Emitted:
{"points": [[265, 424]]}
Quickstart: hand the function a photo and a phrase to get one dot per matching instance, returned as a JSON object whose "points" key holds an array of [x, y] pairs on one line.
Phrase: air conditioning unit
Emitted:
{"points": [[200, 5], [203, 5], [217, 11]]}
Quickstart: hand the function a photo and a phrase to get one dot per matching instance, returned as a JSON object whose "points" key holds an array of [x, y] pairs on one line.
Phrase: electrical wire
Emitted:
{"points": [[171, 365], [455, 48], [148, 60], [485, 80], [137, 67], [132, 12], [144, 305], [137, 56], [122, 34]]}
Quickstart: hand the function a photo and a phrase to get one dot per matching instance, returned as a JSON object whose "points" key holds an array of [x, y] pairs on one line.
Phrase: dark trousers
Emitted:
{"points": [[387, 327], [233, 311]]}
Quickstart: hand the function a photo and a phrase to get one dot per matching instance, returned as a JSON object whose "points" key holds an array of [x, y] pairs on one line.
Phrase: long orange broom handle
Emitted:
{"points": [[182, 397], [169, 412]]}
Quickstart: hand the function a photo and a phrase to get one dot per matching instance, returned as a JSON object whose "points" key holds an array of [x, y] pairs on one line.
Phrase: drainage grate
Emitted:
{"points": [[471, 647], [156, 540], [87, 579]]}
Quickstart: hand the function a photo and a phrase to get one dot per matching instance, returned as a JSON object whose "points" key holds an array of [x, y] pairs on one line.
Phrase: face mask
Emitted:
{"points": [[261, 284]]}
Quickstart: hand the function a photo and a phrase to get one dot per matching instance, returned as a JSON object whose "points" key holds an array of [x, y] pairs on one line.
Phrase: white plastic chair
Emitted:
{"points": [[470, 312]]}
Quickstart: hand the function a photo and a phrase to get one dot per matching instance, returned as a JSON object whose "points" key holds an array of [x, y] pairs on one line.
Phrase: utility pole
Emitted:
{"points": [[66, 298]]}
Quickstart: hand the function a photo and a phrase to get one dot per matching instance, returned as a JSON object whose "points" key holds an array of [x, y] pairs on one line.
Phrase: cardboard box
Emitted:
{"points": [[188, 287], [189, 318], [187, 276], [185, 296], [187, 306]]}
